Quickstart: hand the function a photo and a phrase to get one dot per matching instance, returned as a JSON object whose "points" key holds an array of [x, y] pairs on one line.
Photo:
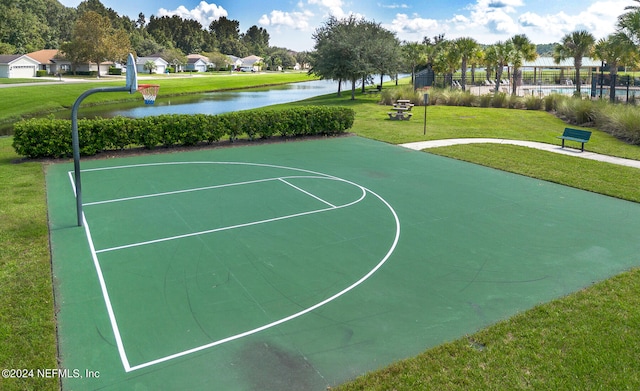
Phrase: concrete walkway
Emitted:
{"points": [[531, 144]]}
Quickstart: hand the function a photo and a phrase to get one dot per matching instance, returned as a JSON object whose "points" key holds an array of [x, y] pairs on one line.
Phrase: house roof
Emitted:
{"points": [[548, 62], [196, 60], [11, 58], [196, 56], [142, 60], [251, 59], [45, 56]]}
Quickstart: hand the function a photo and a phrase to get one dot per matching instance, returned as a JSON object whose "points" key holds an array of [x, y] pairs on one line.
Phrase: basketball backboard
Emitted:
{"points": [[132, 75]]}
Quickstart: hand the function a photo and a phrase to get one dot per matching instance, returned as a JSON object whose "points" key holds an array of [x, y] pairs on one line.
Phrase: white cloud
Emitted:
{"points": [[414, 24], [334, 7], [204, 13], [414, 28], [295, 20], [393, 6], [599, 19]]}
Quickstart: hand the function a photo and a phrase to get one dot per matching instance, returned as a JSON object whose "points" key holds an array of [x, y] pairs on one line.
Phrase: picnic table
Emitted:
{"points": [[402, 108]]}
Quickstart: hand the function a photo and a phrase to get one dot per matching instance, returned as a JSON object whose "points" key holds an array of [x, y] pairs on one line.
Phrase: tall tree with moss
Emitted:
{"points": [[575, 45]]}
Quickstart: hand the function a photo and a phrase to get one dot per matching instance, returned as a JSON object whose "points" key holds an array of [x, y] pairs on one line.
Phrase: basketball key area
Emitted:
{"points": [[301, 265]]}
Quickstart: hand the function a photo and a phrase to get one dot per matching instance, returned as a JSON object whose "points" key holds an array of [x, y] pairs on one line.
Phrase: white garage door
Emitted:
{"points": [[22, 71]]}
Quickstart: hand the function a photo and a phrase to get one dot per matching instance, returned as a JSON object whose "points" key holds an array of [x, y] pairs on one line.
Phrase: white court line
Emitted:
{"points": [[107, 300], [112, 318], [210, 231], [178, 192], [297, 314], [306, 192]]}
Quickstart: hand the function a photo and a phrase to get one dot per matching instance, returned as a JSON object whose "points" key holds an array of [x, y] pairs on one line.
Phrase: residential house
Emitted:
{"points": [[161, 64], [51, 61], [251, 64], [18, 66], [198, 63], [236, 62]]}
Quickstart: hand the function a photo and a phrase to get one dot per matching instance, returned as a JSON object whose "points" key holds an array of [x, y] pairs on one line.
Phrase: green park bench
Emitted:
{"points": [[581, 136]]}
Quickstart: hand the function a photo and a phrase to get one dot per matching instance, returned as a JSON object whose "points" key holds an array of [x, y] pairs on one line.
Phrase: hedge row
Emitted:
{"points": [[39, 138]]}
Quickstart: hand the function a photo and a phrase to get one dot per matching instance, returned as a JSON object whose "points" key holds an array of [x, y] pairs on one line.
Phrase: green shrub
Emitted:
{"points": [[50, 137], [41, 73], [533, 102], [499, 100], [485, 100], [43, 137], [621, 121]]}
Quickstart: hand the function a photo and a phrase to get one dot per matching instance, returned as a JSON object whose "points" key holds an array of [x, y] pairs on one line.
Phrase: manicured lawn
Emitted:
{"points": [[27, 324], [587, 340], [21, 101]]}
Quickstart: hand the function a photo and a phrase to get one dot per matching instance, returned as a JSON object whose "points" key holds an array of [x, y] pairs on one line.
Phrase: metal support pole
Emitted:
{"points": [[426, 103], [75, 140]]}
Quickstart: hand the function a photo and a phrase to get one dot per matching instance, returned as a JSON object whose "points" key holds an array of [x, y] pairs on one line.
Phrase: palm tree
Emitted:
{"points": [[522, 50], [477, 58], [629, 23], [150, 66], [465, 48], [414, 54], [615, 50], [498, 58], [577, 45]]}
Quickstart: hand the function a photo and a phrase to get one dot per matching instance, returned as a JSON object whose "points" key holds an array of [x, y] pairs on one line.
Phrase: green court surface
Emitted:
{"points": [[300, 265]]}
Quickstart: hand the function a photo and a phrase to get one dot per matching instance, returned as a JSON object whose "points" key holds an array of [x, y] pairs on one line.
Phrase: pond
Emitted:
{"points": [[209, 103], [217, 102]]}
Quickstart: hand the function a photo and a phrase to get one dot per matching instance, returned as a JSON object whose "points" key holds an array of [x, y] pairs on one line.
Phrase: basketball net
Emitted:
{"points": [[149, 92]]}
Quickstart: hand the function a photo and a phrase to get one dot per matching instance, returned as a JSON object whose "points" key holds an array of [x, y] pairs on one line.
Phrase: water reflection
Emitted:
{"points": [[222, 102]]}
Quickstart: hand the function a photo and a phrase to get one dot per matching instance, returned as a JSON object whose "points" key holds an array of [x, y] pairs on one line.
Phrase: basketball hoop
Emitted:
{"points": [[149, 92]]}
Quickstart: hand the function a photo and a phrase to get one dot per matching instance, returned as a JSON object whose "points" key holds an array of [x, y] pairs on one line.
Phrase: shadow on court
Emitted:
{"points": [[302, 265]]}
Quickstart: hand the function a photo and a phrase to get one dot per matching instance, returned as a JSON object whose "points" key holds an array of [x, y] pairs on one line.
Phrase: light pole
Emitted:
{"points": [[426, 103]]}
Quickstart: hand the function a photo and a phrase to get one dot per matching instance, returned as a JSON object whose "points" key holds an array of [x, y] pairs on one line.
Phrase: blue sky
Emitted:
{"points": [[291, 23]]}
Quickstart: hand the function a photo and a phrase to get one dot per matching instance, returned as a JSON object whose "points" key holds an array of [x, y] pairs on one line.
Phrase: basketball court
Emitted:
{"points": [[301, 265]]}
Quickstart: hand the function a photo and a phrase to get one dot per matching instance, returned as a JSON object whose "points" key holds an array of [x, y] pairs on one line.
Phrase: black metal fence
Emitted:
{"points": [[595, 85]]}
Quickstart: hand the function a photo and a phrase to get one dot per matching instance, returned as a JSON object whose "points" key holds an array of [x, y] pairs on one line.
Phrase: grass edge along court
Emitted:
{"points": [[530, 326]]}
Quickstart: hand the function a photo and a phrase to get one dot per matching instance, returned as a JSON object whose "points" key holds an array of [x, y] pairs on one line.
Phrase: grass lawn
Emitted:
{"points": [[19, 102], [587, 340], [27, 325]]}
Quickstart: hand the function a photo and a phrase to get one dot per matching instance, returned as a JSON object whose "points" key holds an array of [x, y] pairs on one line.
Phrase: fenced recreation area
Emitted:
{"points": [[300, 265]]}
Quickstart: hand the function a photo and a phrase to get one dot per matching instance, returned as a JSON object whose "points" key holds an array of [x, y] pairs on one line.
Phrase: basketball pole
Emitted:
{"points": [[130, 87], [75, 140]]}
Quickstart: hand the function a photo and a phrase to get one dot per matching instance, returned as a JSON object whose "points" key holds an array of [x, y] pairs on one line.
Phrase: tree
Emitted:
{"points": [[352, 49], [615, 50], [327, 60], [227, 34], [522, 49], [150, 66], [629, 23], [414, 54], [465, 47], [383, 50], [256, 39], [95, 40], [218, 59], [577, 45], [184, 34], [174, 56], [497, 57]]}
